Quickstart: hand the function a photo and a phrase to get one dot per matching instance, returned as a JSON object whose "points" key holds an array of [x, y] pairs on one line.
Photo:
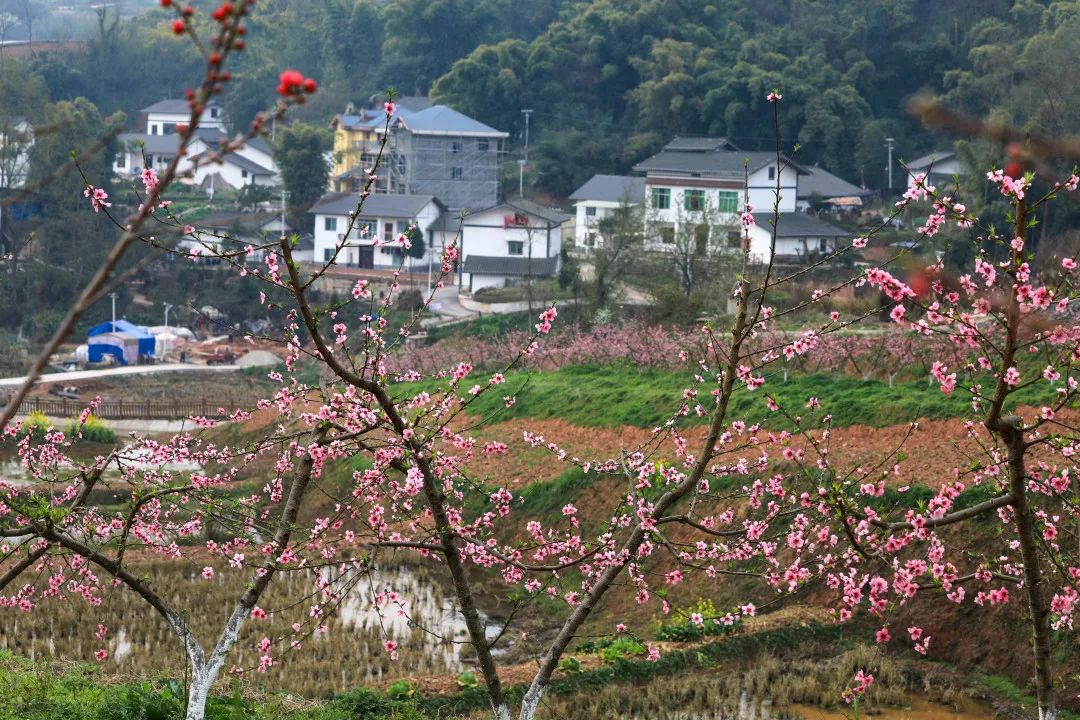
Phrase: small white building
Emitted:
{"points": [[800, 238], [251, 164], [229, 172], [373, 241], [505, 243], [941, 168], [598, 198], [163, 116]]}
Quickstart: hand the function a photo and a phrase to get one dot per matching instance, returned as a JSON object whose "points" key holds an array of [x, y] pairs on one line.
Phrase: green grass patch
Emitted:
{"points": [[617, 395]]}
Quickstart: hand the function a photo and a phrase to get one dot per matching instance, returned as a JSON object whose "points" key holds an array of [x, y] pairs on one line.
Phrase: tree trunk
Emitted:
{"points": [[1013, 434]]}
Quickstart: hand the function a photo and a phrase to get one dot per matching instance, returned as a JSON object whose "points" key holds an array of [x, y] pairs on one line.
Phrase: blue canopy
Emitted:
{"points": [[146, 340]]}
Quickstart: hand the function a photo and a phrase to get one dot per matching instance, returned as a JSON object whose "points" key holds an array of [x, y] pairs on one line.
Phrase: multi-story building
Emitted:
{"points": [[430, 150], [696, 190]]}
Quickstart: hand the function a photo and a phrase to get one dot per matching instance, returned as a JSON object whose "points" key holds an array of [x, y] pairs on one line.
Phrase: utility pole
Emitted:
{"points": [[889, 143], [113, 296], [165, 338], [273, 141], [525, 160]]}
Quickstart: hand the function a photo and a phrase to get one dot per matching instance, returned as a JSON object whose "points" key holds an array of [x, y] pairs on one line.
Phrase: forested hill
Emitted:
{"points": [[611, 80]]}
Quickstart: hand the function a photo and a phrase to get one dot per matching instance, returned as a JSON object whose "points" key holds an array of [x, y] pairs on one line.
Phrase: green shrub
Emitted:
{"points": [[94, 429], [622, 648], [467, 680], [681, 629], [401, 690], [570, 665], [362, 704]]}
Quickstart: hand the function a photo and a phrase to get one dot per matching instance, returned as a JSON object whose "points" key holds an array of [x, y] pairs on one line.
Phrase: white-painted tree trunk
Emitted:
{"points": [[531, 702]]}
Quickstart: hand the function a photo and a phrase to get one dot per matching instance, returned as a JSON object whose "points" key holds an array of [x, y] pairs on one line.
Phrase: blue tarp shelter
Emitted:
{"points": [[125, 348], [123, 327]]}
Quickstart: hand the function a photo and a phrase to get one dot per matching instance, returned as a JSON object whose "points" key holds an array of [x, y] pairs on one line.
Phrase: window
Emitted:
{"points": [[455, 147], [456, 173], [661, 198], [772, 172], [666, 233], [729, 202], [330, 224], [388, 232], [693, 200], [590, 240], [328, 254], [243, 173], [823, 245], [590, 211], [149, 160], [734, 239], [215, 111], [515, 247], [366, 229], [168, 128], [482, 145]]}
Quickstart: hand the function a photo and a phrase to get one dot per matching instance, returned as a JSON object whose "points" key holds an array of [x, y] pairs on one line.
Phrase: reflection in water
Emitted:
{"points": [[349, 655]]}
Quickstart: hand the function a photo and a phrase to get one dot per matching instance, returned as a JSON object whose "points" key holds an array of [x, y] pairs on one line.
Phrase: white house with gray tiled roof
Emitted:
{"points": [[598, 198], [697, 188], [507, 243], [373, 241]]}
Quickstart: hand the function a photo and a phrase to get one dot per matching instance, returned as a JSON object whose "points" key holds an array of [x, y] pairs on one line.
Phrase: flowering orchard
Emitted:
{"points": [[748, 499]]}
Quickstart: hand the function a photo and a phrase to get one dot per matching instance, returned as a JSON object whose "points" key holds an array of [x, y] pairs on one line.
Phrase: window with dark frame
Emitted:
{"points": [[661, 198]]}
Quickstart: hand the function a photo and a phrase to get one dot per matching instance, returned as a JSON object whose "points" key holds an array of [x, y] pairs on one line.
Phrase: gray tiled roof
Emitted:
{"points": [[440, 119], [698, 143], [552, 216], [241, 162], [722, 163], [612, 188], [422, 119], [495, 265], [820, 181], [172, 105], [375, 206], [797, 224], [926, 160]]}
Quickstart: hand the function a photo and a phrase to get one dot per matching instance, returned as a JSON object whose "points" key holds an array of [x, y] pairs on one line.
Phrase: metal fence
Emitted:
{"points": [[122, 410]]}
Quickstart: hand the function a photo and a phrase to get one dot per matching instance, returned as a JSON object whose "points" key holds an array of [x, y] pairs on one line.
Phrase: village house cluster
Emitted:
{"points": [[438, 180]]}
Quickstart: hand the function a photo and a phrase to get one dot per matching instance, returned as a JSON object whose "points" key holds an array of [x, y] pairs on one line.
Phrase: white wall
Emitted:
{"points": [[484, 234], [762, 189], [585, 223], [761, 241], [328, 239], [231, 174], [156, 121]]}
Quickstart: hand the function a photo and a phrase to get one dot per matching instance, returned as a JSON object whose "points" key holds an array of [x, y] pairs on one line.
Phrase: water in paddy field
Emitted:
{"points": [[350, 655], [13, 471]]}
